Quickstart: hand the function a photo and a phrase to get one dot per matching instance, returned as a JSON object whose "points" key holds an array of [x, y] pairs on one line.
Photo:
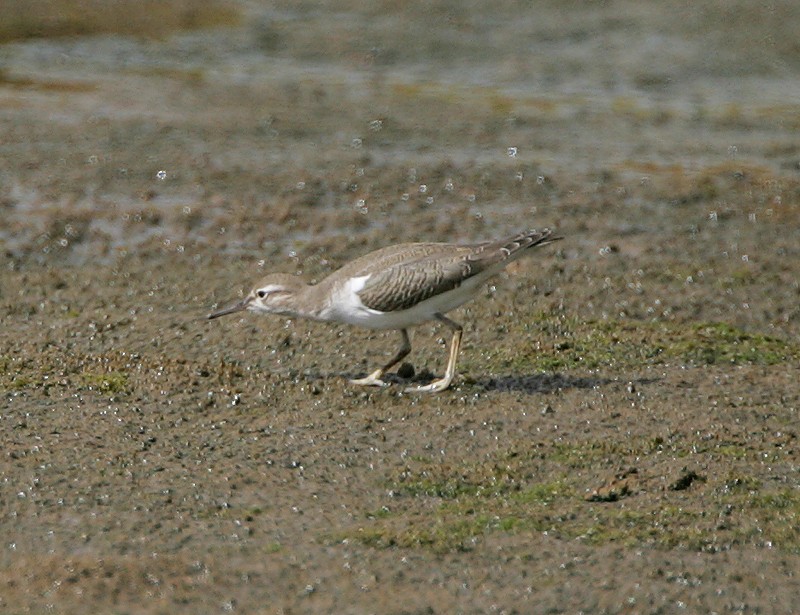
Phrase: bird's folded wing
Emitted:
{"points": [[403, 286]]}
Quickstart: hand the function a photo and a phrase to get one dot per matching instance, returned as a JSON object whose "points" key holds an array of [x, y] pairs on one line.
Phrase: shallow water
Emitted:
{"points": [[152, 123]]}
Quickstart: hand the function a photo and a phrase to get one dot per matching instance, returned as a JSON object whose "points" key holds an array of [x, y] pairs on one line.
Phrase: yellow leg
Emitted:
{"points": [[440, 385]]}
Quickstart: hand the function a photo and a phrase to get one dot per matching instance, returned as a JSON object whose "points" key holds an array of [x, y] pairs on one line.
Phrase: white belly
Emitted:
{"points": [[349, 309]]}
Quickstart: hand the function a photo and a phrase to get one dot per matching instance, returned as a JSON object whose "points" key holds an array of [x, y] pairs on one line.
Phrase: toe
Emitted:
{"points": [[437, 386], [369, 381]]}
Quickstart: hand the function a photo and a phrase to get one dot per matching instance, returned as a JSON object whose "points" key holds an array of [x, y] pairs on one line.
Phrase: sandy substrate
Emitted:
{"points": [[622, 433]]}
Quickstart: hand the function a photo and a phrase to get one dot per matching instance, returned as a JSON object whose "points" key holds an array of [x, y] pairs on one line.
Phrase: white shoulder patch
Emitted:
{"points": [[347, 305], [356, 284]]}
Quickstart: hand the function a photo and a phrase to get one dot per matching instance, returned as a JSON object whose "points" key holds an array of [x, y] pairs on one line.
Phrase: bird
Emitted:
{"points": [[395, 288]]}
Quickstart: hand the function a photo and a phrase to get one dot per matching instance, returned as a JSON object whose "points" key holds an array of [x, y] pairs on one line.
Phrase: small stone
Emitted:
{"points": [[406, 370]]}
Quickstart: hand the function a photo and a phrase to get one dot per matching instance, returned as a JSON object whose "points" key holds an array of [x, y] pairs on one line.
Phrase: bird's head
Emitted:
{"points": [[272, 295]]}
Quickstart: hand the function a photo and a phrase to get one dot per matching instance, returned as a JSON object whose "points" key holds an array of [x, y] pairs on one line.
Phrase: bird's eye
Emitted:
{"points": [[261, 293]]}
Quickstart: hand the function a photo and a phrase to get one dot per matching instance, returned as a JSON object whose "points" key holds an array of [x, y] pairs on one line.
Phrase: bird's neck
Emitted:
{"points": [[306, 301]]}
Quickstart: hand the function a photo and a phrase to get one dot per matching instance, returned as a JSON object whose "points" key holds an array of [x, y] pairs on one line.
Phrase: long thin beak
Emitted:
{"points": [[238, 307]]}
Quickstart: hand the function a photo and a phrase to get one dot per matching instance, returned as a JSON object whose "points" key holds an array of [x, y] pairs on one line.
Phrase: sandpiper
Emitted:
{"points": [[395, 287]]}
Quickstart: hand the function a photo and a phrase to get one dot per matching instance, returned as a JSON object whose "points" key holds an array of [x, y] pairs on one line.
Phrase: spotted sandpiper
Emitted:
{"points": [[395, 287]]}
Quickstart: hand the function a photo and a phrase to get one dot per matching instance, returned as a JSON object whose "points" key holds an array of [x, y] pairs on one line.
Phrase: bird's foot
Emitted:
{"points": [[437, 386], [373, 380]]}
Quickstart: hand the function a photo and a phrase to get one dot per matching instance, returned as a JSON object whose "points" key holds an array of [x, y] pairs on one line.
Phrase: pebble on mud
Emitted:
{"points": [[406, 370]]}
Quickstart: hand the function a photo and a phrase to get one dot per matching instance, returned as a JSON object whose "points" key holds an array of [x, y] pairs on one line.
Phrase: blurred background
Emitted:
{"points": [[128, 124]]}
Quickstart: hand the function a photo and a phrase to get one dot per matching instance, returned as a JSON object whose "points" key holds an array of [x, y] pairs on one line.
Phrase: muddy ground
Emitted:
{"points": [[622, 435]]}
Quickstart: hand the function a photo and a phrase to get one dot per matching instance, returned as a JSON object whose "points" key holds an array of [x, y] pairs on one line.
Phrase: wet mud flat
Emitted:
{"points": [[622, 433]]}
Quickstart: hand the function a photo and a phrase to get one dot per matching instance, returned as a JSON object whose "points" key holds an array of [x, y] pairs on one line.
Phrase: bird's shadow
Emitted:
{"points": [[550, 383], [539, 383]]}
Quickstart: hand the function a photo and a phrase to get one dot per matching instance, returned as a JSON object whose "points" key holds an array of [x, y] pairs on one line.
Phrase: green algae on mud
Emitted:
{"points": [[574, 345], [445, 508], [629, 344]]}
